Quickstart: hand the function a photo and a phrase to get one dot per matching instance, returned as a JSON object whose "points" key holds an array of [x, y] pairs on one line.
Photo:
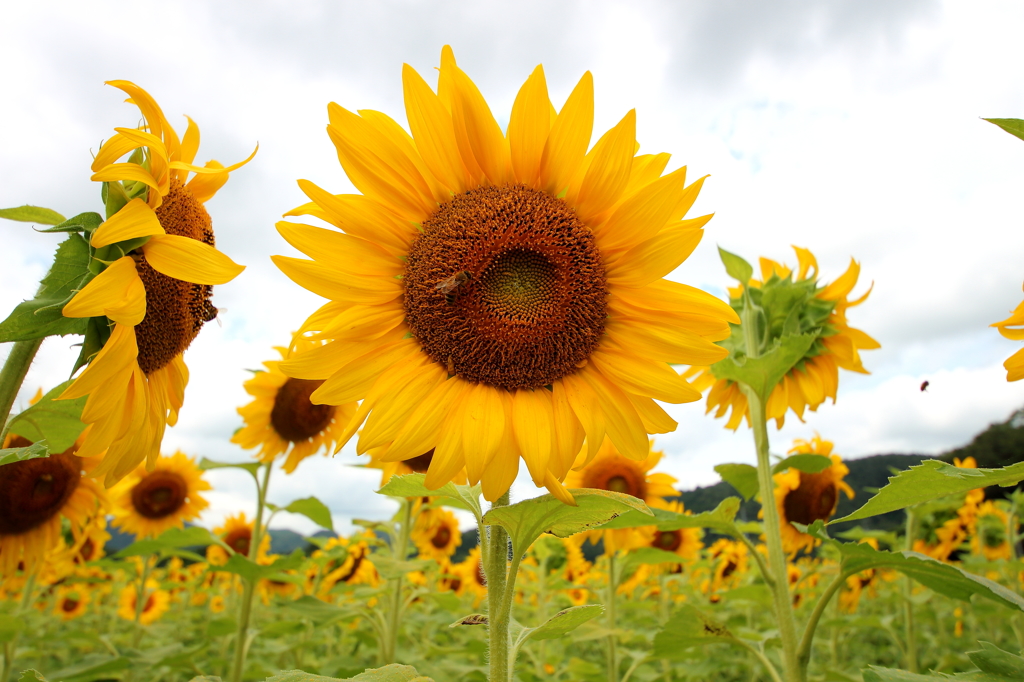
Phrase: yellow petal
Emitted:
{"points": [[567, 433], [531, 419], [624, 427], [528, 127], [657, 257], [806, 261], [320, 362], [569, 138], [643, 215], [155, 118], [483, 427], [204, 187], [646, 169], [423, 429], [642, 376], [842, 286], [365, 323], [119, 351], [1015, 366], [136, 219], [116, 172], [501, 471], [608, 173], [676, 297], [353, 381], [449, 457], [341, 250], [115, 292], [362, 217], [190, 260], [190, 142], [113, 149], [666, 343], [213, 170], [431, 126], [476, 128], [397, 135], [556, 488], [336, 284], [394, 410], [654, 417], [131, 310], [587, 409]]}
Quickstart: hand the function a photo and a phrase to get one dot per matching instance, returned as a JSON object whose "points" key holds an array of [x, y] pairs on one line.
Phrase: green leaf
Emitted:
{"points": [[31, 675], [993, 660], [720, 519], [931, 480], [42, 315], [83, 222], [459, 496], [316, 610], [251, 571], [10, 627], [762, 373], [32, 214], [58, 422], [525, 521], [643, 555], [471, 619], [218, 627], [205, 678], [91, 669], [251, 467], [34, 451], [736, 267], [686, 628], [389, 673], [876, 674], [560, 624], [313, 509], [809, 464], [1014, 126], [173, 539], [390, 568], [742, 477]]}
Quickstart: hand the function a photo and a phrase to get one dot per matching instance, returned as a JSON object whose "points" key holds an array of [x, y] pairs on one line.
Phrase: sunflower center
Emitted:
{"points": [[293, 416], [506, 287], [442, 537], [814, 499], [421, 463], [159, 494], [618, 475], [238, 540], [175, 310], [669, 540], [69, 605], [34, 490]]}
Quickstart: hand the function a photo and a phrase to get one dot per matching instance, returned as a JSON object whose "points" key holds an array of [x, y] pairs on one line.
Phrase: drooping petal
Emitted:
{"points": [[483, 428], [203, 187], [119, 351], [136, 219], [190, 260], [623, 425], [842, 286], [111, 293]]}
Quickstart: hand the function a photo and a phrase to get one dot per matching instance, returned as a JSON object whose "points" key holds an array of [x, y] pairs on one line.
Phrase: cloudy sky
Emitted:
{"points": [[848, 127]]}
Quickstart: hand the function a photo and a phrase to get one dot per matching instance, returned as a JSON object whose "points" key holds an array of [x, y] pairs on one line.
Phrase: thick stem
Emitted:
{"points": [[612, 653], [390, 648], [495, 568], [908, 605], [249, 589], [782, 599], [12, 376]]}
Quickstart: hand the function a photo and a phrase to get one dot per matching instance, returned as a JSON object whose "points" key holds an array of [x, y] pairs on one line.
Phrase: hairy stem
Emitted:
{"points": [[495, 568], [13, 375], [612, 653], [812, 623]]}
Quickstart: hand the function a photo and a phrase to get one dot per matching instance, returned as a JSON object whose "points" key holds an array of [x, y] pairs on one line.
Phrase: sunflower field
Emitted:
{"points": [[496, 306]]}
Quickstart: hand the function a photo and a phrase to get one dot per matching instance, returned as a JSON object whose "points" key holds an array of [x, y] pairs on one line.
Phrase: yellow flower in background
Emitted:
{"points": [[686, 542], [70, 602], [281, 419], [816, 377], [436, 534], [355, 569], [416, 465], [36, 495], [730, 559], [989, 532], [236, 534], [157, 603], [471, 577], [500, 295], [1013, 328], [217, 604], [146, 503], [154, 295], [90, 541]]}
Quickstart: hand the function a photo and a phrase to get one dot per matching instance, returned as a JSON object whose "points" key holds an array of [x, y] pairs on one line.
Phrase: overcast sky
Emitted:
{"points": [[851, 128]]}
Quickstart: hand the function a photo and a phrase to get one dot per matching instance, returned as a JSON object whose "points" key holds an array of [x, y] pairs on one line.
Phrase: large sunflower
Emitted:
{"points": [[146, 503], [1013, 328], [806, 498], [153, 296], [497, 295], [816, 377], [36, 495], [281, 417]]}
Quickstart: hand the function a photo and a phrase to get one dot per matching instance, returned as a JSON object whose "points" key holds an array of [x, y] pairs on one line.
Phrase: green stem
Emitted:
{"points": [[12, 376], [759, 655], [23, 606], [140, 602], [612, 651], [388, 651], [908, 605], [495, 568], [819, 609], [249, 588]]}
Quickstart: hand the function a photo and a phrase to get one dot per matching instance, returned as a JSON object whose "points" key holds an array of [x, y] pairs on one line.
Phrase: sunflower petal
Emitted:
{"points": [[556, 488], [354, 379], [587, 409], [154, 116], [569, 138], [476, 129], [528, 127], [643, 377], [842, 287], [364, 218], [421, 432], [338, 285], [531, 419], [341, 250], [608, 173], [119, 351], [657, 257], [644, 214], [116, 172], [204, 187], [190, 260], [483, 427], [624, 426], [113, 293], [136, 219], [431, 126]]}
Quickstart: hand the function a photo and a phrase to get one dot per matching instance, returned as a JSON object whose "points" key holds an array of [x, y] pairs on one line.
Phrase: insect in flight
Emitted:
{"points": [[924, 386]]}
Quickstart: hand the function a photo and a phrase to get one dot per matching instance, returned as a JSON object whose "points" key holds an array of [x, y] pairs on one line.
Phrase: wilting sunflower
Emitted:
{"points": [[157, 603], [35, 496], [70, 602], [1013, 328], [281, 419], [236, 534], [436, 534], [153, 296], [816, 377], [497, 295], [610, 470], [806, 498], [146, 503]]}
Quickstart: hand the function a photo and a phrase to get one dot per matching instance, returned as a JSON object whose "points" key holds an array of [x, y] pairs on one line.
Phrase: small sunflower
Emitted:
{"points": [[157, 603], [355, 569], [1013, 328], [730, 559], [90, 541], [989, 533], [436, 534], [472, 579], [281, 419], [146, 503], [153, 296], [499, 295], [806, 498], [70, 602], [236, 534], [685, 542], [217, 604], [36, 495], [816, 377]]}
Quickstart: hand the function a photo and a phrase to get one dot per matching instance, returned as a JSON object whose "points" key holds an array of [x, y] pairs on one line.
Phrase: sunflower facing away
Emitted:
{"points": [[35, 496], [146, 503], [500, 294], [281, 419], [806, 498], [1013, 328], [153, 296], [816, 377]]}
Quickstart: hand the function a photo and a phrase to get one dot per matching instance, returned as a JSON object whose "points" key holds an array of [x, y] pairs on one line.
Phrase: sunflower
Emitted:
{"points": [[685, 542], [36, 495], [146, 503], [157, 603], [90, 541], [217, 604], [730, 559], [472, 579], [806, 498], [989, 533], [610, 470], [236, 534], [417, 465], [153, 296], [498, 295], [355, 569], [281, 419], [70, 602], [436, 534], [1013, 328], [816, 376]]}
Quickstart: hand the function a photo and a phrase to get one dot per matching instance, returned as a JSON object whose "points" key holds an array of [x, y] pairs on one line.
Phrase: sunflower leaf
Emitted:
{"points": [[252, 467], [83, 222], [1014, 126], [807, 463], [412, 485], [762, 373], [687, 628], [525, 521], [720, 519], [92, 668], [560, 624], [931, 480], [314, 510], [389, 673], [173, 541], [34, 451], [31, 675], [735, 266], [645, 555], [742, 477], [42, 316], [252, 572], [316, 609], [10, 627], [32, 214], [58, 422]]}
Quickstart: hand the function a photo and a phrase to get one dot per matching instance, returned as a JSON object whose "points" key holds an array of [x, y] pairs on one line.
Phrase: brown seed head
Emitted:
{"points": [[159, 494], [814, 499], [293, 416], [34, 490]]}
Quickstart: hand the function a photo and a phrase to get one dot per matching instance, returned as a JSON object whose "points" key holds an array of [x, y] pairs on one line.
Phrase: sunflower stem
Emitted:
{"points": [[612, 653], [13, 375], [23, 606], [249, 588], [389, 646], [495, 569], [908, 605], [140, 602]]}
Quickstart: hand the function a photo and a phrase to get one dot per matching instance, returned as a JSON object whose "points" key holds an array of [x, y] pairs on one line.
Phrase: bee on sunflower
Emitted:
{"points": [[151, 297], [147, 503], [500, 295], [281, 420], [1013, 329]]}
